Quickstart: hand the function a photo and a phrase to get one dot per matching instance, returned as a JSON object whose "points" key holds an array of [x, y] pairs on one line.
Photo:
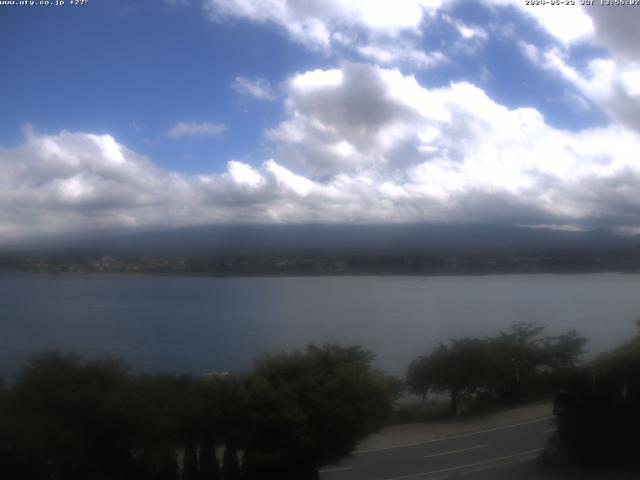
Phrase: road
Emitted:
{"points": [[502, 452]]}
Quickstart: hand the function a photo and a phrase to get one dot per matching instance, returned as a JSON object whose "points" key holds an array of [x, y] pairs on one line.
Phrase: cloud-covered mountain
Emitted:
{"points": [[329, 239]]}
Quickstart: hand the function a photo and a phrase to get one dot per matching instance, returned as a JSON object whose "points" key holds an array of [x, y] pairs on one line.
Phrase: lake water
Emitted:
{"points": [[197, 324]]}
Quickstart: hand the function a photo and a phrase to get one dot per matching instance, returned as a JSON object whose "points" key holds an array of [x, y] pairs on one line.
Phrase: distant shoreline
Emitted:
{"points": [[289, 274]]}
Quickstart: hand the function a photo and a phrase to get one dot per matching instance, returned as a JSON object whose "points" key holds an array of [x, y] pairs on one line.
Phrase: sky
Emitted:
{"points": [[164, 113]]}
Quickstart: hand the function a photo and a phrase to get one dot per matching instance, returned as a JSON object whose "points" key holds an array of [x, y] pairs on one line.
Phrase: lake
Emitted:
{"points": [[200, 324]]}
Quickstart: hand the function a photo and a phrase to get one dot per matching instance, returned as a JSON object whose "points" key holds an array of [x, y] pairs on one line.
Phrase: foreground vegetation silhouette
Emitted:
{"points": [[65, 418], [597, 404], [598, 411], [70, 419], [515, 365]]}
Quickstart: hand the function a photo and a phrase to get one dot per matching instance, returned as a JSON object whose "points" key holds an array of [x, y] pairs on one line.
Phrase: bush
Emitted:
{"points": [[71, 419], [599, 410]]}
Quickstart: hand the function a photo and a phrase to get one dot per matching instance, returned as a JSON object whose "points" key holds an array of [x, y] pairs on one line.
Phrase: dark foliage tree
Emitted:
{"points": [[72, 417], [420, 375], [462, 369], [225, 410], [69, 419], [599, 411], [312, 408], [231, 464], [164, 466], [8, 454], [209, 467], [190, 468], [158, 404], [397, 386], [563, 351], [506, 367], [519, 354]]}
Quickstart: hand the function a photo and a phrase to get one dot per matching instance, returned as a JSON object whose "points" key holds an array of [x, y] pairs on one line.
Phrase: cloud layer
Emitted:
{"points": [[362, 27], [612, 82], [366, 142], [190, 129], [259, 88], [316, 22], [359, 144]]}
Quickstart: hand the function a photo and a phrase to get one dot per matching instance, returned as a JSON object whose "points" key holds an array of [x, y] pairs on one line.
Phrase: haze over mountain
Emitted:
{"points": [[319, 239]]}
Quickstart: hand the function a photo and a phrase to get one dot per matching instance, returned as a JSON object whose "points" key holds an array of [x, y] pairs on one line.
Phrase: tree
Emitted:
{"points": [[178, 412], [506, 366], [312, 408], [72, 416], [190, 470], [519, 354], [230, 463], [421, 373], [562, 352], [8, 457], [209, 468], [225, 409], [598, 415], [71, 419], [463, 369]]}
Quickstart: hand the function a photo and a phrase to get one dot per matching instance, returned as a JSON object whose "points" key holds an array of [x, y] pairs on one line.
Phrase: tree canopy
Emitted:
{"points": [[68, 418], [598, 414], [502, 367], [313, 407]]}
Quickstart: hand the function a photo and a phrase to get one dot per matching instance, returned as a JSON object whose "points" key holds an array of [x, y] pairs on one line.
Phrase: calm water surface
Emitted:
{"points": [[185, 324]]}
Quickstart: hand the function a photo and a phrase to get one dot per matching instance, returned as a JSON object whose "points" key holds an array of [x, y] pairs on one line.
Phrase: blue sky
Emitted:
{"points": [[178, 112], [133, 70]]}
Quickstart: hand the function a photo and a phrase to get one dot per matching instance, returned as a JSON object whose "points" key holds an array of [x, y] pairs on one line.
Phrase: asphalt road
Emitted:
{"points": [[503, 452]]}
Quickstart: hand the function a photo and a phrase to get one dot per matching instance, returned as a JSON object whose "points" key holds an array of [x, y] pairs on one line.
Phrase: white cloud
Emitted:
{"points": [[75, 181], [289, 180], [434, 150], [359, 144], [259, 88], [471, 37], [467, 32], [243, 174], [613, 81], [323, 23], [609, 83], [378, 30], [401, 54], [567, 23], [471, 32], [312, 22], [187, 129]]}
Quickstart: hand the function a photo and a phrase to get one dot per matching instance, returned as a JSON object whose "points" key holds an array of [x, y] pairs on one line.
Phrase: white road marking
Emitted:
{"points": [[549, 430], [495, 466], [453, 437], [457, 451], [337, 469], [468, 465]]}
